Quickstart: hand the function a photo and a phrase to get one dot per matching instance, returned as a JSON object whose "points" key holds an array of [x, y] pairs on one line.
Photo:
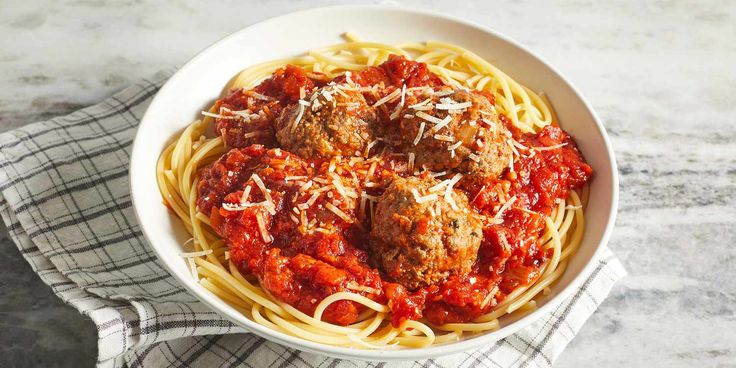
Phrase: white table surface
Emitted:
{"points": [[661, 74]]}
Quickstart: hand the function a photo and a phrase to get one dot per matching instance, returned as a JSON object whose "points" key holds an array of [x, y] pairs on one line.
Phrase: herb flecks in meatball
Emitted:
{"points": [[421, 236], [331, 121]]}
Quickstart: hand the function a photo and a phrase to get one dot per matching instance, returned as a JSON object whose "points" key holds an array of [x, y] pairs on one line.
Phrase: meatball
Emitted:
{"points": [[337, 122], [416, 244], [474, 141]]}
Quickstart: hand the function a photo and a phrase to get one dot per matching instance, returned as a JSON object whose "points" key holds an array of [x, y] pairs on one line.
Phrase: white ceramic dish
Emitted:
{"points": [[198, 83]]}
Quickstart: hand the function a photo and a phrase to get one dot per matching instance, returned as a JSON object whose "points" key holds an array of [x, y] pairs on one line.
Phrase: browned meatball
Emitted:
{"points": [[416, 244], [474, 141], [336, 123]]}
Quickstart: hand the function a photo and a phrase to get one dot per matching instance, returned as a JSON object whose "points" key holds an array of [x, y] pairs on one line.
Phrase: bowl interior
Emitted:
{"points": [[200, 82]]}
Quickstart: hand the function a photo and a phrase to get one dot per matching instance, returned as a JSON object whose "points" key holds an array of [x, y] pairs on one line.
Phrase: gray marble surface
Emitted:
{"points": [[661, 74]]}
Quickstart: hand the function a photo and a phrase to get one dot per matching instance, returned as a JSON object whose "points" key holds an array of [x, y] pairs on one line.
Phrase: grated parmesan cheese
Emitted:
{"points": [[271, 206], [513, 148], [519, 145], [419, 133], [388, 98], [444, 93], [491, 296], [327, 95], [369, 146], [306, 186], [423, 199], [429, 118], [298, 118], [371, 170], [312, 199], [361, 210], [352, 285], [260, 96], [350, 105], [338, 212], [506, 206], [448, 191], [242, 206], [443, 123], [217, 116], [244, 197], [511, 163], [548, 148], [251, 134], [446, 138], [453, 106], [441, 173], [439, 186], [262, 228], [421, 105]]}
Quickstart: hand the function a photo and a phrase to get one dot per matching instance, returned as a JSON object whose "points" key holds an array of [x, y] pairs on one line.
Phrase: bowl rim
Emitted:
{"points": [[399, 354]]}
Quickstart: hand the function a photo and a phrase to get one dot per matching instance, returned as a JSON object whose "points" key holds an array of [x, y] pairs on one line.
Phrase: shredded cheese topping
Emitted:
{"points": [[443, 123], [548, 148], [260, 96], [217, 116], [422, 199], [388, 98], [497, 217], [244, 197], [419, 133], [270, 206], [298, 118], [442, 137], [448, 191], [429, 118], [262, 228], [453, 106], [338, 212]]}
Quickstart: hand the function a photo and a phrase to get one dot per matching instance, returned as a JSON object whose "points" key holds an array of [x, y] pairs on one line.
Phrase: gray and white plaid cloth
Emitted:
{"points": [[65, 200]]}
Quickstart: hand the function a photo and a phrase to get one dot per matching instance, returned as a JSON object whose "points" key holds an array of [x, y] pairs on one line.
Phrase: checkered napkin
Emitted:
{"points": [[65, 200]]}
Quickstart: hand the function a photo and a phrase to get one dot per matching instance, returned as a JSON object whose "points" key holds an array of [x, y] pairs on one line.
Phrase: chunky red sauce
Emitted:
{"points": [[303, 268], [266, 100]]}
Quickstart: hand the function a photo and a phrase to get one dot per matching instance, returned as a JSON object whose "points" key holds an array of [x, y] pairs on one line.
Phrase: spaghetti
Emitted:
{"points": [[369, 313]]}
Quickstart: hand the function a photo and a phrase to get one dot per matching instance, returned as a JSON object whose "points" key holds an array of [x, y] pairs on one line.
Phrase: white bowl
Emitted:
{"points": [[198, 83]]}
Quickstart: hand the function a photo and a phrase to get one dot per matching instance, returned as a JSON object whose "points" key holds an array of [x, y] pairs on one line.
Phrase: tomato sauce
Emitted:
{"points": [[266, 100], [398, 71], [302, 268]]}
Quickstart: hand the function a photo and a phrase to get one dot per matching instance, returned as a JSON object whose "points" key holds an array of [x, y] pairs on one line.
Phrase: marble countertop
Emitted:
{"points": [[661, 74]]}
